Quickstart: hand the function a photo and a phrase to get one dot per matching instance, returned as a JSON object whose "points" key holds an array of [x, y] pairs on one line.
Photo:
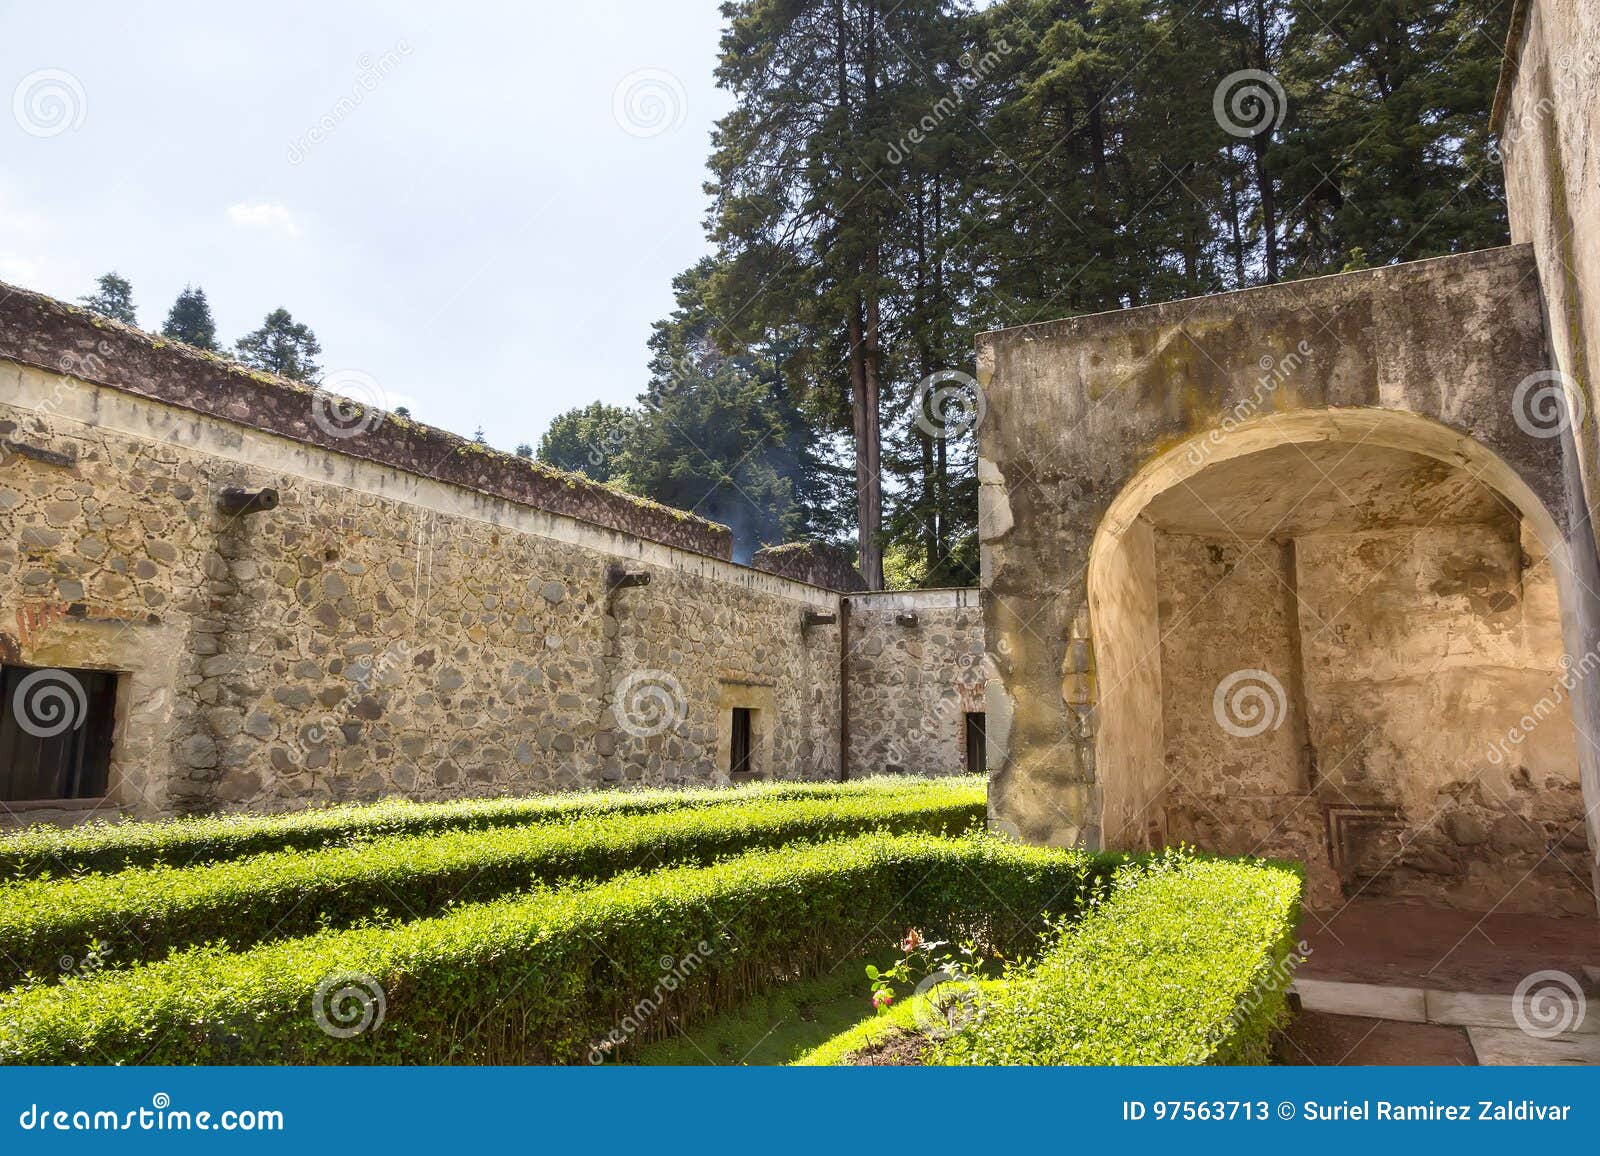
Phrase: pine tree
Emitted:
{"points": [[189, 320], [802, 216], [282, 346], [114, 299]]}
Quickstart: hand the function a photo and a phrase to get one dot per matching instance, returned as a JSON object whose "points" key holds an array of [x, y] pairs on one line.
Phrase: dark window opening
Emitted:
{"points": [[976, 753], [739, 764], [55, 733]]}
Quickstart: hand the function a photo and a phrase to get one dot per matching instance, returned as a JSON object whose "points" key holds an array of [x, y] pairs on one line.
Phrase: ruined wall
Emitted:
{"points": [[1405, 658], [911, 684], [1092, 419], [378, 632], [1547, 118]]}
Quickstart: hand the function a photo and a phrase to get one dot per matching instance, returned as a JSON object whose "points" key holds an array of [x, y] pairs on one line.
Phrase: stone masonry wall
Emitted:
{"points": [[63, 339], [379, 632], [912, 684]]}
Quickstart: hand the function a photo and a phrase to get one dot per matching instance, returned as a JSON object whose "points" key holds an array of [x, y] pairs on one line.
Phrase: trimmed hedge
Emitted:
{"points": [[146, 912], [1188, 964], [42, 850], [542, 978]]}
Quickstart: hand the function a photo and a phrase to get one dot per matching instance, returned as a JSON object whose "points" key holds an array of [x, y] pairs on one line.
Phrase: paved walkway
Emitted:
{"points": [[1401, 1025]]}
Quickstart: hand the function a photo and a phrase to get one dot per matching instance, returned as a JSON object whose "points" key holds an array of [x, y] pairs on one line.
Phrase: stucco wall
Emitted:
{"points": [[1547, 118], [1403, 654], [912, 684], [1091, 419]]}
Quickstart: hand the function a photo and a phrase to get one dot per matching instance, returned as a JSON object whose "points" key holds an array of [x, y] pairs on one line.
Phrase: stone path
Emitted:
{"points": [[1489, 1021]]}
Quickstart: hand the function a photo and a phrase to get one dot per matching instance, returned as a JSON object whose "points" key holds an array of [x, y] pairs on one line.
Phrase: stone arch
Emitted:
{"points": [[1420, 818]]}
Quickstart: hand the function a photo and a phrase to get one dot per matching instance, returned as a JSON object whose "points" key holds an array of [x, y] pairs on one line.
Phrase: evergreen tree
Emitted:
{"points": [[587, 440], [826, 91], [282, 346], [719, 433], [114, 299], [189, 320]]}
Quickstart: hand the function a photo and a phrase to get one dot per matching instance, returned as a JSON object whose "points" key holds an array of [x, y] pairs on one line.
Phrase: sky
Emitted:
{"points": [[479, 207]]}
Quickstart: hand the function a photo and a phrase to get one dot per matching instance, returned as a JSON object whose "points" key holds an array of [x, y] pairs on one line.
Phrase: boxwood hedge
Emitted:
{"points": [[1190, 964], [97, 846], [143, 913], [567, 976]]}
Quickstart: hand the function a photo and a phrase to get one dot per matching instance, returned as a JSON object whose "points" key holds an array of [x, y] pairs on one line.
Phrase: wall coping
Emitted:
{"points": [[44, 333], [133, 415], [942, 598], [1510, 65], [1282, 295]]}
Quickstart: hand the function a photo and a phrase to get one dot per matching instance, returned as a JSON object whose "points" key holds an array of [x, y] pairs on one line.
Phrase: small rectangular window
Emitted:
{"points": [[739, 765], [55, 733], [976, 751]]}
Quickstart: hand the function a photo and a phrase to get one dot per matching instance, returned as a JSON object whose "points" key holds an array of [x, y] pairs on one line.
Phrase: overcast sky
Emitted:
{"points": [[480, 206]]}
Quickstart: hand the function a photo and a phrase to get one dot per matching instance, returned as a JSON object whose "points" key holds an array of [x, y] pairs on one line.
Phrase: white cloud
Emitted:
{"points": [[263, 216]]}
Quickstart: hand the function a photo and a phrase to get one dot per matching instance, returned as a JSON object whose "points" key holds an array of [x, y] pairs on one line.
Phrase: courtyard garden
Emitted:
{"points": [[870, 922]]}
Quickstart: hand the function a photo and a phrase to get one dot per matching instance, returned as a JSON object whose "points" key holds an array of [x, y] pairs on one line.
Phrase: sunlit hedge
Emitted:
{"points": [[569, 976], [144, 913], [1190, 964], [100, 846]]}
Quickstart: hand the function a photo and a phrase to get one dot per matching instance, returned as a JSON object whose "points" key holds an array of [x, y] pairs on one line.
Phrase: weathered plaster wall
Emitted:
{"points": [[378, 632], [1092, 418], [1404, 656], [1547, 118], [1132, 780], [911, 685]]}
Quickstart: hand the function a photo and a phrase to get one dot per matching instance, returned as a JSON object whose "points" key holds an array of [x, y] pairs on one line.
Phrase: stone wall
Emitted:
{"points": [[916, 669], [1147, 481], [62, 339], [384, 632], [817, 563], [1546, 119]]}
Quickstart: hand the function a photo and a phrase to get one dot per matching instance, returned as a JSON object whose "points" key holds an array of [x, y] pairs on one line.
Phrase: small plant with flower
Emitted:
{"points": [[947, 975]]}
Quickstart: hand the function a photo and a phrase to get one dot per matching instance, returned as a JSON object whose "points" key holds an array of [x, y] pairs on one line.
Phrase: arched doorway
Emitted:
{"points": [[1337, 636]]}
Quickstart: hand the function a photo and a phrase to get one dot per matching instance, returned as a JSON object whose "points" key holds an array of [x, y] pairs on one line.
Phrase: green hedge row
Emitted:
{"points": [[564, 976], [113, 846], [144, 913], [1188, 964]]}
